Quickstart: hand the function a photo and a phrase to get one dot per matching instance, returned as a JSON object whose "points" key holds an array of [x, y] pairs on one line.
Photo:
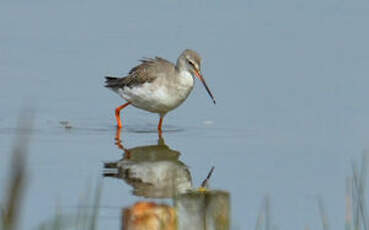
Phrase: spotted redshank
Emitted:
{"points": [[157, 85]]}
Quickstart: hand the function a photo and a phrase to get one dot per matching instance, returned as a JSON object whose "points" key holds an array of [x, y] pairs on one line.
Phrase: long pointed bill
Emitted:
{"points": [[205, 85]]}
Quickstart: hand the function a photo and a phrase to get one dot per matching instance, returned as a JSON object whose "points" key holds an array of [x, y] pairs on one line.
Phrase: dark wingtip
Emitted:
{"points": [[109, 80]]}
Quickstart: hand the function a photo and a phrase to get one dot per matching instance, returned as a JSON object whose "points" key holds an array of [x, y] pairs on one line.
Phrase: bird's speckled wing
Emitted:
{"points": [[147, 71]]}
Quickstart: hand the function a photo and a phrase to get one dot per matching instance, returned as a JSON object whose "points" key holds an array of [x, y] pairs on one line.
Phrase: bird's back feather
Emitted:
{"points": [[147, 71]]}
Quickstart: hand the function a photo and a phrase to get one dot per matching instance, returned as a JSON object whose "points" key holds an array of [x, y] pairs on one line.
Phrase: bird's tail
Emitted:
{"points": [[110, 82]]}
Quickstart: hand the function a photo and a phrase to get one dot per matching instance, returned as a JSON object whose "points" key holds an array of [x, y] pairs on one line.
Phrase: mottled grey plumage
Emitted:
{"points": [[144, 72], [151, 68]]}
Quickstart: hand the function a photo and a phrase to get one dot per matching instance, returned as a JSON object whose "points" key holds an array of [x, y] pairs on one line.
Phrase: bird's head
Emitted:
{"points": [[191, 61]]}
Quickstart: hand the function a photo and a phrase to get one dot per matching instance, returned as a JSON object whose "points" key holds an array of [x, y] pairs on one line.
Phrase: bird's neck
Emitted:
{"points": [[185, 78], [181, 64]]}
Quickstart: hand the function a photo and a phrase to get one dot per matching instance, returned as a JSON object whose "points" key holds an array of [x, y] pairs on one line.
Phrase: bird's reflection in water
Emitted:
{"points": [[155, 171]]}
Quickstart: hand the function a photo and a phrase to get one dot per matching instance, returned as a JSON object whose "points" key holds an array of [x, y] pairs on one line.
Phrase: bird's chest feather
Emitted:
{"points": [[184, 84], [162, 95]]}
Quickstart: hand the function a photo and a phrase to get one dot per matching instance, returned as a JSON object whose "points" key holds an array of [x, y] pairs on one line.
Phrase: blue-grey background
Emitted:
{"points": [[290, 79]]}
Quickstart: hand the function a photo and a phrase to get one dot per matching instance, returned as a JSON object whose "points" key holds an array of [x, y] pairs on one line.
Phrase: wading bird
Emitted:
{"points": [[157, 85]]}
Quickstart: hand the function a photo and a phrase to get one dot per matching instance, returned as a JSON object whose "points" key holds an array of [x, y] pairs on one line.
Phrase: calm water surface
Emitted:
{"points": [[290, 79]]}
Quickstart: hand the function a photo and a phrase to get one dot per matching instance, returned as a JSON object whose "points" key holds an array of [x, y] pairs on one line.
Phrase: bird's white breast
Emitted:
{"points": [[186, 79], [161, 95]]}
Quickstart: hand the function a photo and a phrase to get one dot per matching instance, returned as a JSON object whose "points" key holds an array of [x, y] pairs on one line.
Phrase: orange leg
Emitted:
{"points": [[118, 142], [159, 126], [117, 113]]}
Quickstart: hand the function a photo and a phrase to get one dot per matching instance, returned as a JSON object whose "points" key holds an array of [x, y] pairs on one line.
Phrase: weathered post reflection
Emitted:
{"points": [[208, 210]]}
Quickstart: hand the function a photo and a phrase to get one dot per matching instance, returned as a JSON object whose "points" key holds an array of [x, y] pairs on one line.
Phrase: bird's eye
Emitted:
{"points": [[191, 63]]}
